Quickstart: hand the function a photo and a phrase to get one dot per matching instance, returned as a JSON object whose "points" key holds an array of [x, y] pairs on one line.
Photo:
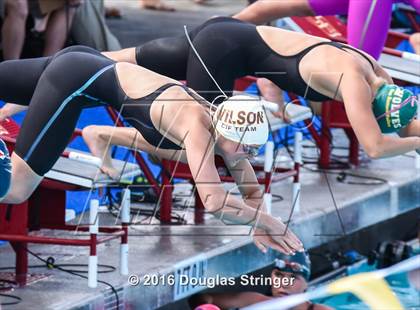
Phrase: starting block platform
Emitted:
{"points": [[87, 175], [402, 69]]}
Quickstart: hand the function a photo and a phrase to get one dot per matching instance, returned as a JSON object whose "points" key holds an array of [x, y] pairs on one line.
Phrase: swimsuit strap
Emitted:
{"points": [[337, 45], [152, 96], [343, 47]]}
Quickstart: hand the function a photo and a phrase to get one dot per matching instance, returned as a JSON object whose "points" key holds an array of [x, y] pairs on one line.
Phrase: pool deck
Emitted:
{"points": [[215, 248]]}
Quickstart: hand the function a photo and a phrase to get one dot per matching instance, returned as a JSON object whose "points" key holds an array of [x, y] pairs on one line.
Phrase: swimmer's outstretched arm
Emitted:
{"points": [[412, 130], [200, 155], [244, 176], [357, 98], [264, 11]]}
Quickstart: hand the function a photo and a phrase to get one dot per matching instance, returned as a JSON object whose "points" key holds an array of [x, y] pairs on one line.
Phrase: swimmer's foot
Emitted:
{"points": [[201, 1], [156, 5], [111, 172], [272, 93], [98, 146], [112, 13]]}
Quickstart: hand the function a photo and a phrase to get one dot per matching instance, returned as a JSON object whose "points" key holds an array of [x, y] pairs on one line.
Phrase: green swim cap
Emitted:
{"points": [[394, 107]]}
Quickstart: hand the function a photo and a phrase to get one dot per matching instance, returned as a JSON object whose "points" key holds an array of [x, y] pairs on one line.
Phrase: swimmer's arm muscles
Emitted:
{"points": [[228, 300], [357, 98], [216, 200], [244, 176]]}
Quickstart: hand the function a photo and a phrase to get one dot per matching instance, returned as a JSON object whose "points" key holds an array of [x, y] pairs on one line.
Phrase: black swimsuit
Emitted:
{"points": [[75, 79], [230, 49], [140, 108]]}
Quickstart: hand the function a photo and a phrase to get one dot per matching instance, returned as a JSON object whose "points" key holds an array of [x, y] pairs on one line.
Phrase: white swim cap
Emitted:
{"points": [[242, 119]]}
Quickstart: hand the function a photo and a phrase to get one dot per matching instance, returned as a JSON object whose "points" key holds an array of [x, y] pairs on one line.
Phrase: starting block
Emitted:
{"points": [[46, 209]]}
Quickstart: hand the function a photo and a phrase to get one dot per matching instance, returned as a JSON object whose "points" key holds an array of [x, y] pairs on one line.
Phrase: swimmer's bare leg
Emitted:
{"points": [[97, 139], [263, 11], [10, 109], [124, 55], [156, 5], [100, 138], [271, 92], [24, 181]]}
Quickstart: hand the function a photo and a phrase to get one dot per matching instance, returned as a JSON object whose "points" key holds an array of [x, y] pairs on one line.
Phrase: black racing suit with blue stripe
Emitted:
{"points": [[71, 81]]}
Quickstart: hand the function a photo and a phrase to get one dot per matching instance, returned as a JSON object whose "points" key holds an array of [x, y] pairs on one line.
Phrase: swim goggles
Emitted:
{"points": [[292, 267]]}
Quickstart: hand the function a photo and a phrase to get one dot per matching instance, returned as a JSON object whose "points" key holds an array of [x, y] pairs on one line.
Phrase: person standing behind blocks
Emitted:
{"points": [[55, 16]]}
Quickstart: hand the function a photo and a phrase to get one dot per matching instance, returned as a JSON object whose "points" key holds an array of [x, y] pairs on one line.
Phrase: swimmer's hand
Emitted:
{"points": [[278, 240]]}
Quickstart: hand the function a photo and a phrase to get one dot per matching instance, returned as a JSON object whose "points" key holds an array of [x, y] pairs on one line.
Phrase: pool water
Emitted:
{"points": [[408, 296]]}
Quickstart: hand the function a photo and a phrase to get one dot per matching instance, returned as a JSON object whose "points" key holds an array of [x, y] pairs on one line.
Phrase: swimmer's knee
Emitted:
{"points": [[18, 193], [90, 131], [266, 85], [16, 198], [17, 9]]}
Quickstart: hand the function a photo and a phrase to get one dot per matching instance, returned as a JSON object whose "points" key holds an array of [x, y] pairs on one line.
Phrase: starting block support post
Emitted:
{"points": [[125, 220], [93, 230], [417, 154], [268, 168], [297, 158]]}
